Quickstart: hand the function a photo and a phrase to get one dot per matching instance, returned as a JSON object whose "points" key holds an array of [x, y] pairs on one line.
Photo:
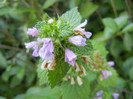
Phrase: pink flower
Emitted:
{"points": [[111, 63], [70, 57], [106, 73], [99, 93], [33, 31], [77, 40], [115, 95]]}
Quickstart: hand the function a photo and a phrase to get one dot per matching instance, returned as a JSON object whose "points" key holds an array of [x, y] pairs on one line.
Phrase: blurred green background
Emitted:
{"points": [[110, 21]]}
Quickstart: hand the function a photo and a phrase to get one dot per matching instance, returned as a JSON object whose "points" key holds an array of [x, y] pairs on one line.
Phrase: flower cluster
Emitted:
{"points": [[44, 47]]}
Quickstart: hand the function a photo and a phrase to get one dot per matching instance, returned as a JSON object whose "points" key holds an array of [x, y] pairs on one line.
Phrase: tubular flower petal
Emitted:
{"points": [[99, 93], [70, 57], [111, 63], [46, 52], [77, 40], [33, 31], [115, 95], [106, 73], [79, 30], [33, 45]]}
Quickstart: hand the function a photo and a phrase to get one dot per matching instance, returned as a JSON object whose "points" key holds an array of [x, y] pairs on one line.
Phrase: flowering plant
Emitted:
{"points": [[68, 57]]}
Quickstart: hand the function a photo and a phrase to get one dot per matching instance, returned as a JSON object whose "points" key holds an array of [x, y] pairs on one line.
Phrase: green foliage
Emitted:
{"points": [[87, 9], [48, 3], [128, 28], [75, 91], [72, 16], [58, 73]]}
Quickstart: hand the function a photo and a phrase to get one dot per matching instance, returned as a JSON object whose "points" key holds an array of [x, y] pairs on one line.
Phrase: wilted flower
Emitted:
{"points": [[99, 93], [83, 71], [34, 45], [79, 80], [81, 31], [77, 40], [48, 64], [106, 73], [70, 57], [46, 52], [50, 20], [111, 63], [115, 95], [33, 31], [72, 81], [76, 67]]}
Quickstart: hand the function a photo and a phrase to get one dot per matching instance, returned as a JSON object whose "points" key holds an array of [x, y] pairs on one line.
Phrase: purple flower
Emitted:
{"points": [[115, 95], [106, 73], [111, 63], [87, 34], [70, 57], [98, 98], [33, 45], [99, 93], [46, 52], [77, 40], [80, 29], [33, 31]]}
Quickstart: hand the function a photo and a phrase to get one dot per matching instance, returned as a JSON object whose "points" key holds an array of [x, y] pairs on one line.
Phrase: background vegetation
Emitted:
{"points": [[110, 21]]}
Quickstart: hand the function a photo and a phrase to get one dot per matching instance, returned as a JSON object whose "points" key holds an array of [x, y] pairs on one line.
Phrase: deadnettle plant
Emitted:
{"points": [[66, 52]]}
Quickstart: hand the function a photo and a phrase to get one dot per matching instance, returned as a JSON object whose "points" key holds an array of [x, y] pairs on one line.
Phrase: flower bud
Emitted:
{"points": [[72, 81], [76, 67], [83, 70]]}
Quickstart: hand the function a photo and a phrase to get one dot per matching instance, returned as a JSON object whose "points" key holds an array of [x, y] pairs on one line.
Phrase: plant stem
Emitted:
{"points": [[113, 7], [128, 4]]}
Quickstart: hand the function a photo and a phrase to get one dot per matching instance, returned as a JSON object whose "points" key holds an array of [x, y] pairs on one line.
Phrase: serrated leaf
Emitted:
{"points": [[83, 50], [87, 9], [72, 16], [121, 83], [55, 76], [42, 75], [128, 28], [75, 91], [110, 81]]}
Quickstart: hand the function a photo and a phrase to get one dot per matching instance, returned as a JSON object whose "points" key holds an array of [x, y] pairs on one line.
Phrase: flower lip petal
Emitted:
{"points": [[82, 24]]}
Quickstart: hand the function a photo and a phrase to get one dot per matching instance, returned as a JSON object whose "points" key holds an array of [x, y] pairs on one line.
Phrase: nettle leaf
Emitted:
{"points": [[73, 16], [55, 76], [75, 91], [83, 50], [65, 29], [110, 81], [42, 74], [111, 27], [128, 28]]}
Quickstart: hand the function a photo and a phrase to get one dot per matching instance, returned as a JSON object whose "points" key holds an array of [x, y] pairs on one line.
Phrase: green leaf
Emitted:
{"points": [[110, 27], [87, 9], [4, 11], [110, 23], [83, 50], [55, 76], [43, 93], [97, 45], [131, 73], [128, 41], [121, 83], [119, 4], [75, 91], [72, 16], [121, 21], [48, 3], [42, 74], [128, 28]]}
